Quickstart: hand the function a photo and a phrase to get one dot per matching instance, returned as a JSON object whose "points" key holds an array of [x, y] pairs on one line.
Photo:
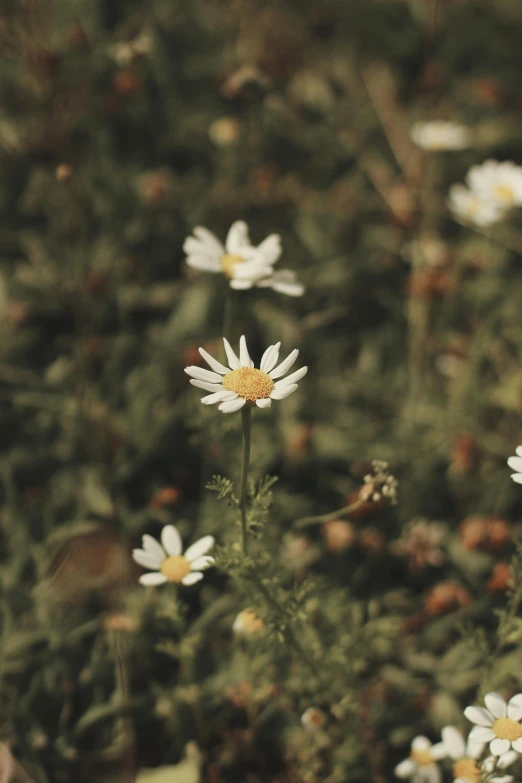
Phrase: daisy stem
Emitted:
{"points": [[245, 461], [322, 518]]}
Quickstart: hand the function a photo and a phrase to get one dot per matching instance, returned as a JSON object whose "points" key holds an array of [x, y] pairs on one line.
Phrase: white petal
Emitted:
{"points": [[232, 406], [499, 746], [244, 356], [507, 759], [203, 263], [203, 375], [265, 402], [270, 249], [495, 704], [270, 357], [171, 540], [216, 366], [517, 745], [152, 579], [453, 742], [211, 387], [199, 548], [293, 378], [237, 237], [438, 751], [220, 396], [286, 391], [479, 715], [475, 749], [196, 247], [153, 547], [192, 578], [519, 451], [502, 779], [515, 463], [251, 270], [514, 707], [209, 240], [480, 734], [289, 289], [284, 366], [405, 769], [200, 563], [517, 477], [233, 361], [430, 774], [421, 743], [146, 559], [241, 285]]}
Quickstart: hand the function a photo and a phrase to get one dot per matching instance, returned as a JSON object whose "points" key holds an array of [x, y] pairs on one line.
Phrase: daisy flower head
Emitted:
{"points": [[498, 723], [241, 383], [498, 183], [421, 764], [515, 463], [440, 135], [465, 755], [468, 207], [244, 265], [167, 562], [247, 623]]}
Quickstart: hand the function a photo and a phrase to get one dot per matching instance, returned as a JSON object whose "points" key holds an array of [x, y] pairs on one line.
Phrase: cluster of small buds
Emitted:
{"points": [[379, 484]]}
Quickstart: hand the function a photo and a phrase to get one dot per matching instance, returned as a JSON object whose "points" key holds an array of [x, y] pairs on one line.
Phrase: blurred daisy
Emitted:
{"points": [[497, 183], [468, 207], [499, 724], [243, 264], [440, 135], [515, 463], [240, 383], [465, 756], [421, 765], [247, 623], [167, 562], [313, 718]]}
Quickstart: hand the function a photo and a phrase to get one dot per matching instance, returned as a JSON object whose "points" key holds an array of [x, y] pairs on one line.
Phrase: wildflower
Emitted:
{"points": [[243, 264], [479, 532], [497, 183], [468, 207], [515, 463], [247, 623], [224, 131], [313, 718], [421, 765], [440, 135], [240, 383], [420, 542], [447, 597], [379, 484], [500, 579], [339, 535], [168, 562], [465, 756], [499, 724]]}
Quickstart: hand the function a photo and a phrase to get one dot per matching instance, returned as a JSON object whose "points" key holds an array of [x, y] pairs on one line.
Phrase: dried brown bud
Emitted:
{"points": [[447, 597]]}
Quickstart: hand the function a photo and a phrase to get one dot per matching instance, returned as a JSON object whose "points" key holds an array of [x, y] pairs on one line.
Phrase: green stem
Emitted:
{"points": [[246, 422], [320, 519]]}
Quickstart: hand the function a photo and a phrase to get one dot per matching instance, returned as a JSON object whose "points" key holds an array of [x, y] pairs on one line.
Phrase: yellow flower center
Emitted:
{"points": [[228, 262], [504, 193], [422, 758], [467, 770], [249, 383], [506, 728], [250, 622], [175, 568]]}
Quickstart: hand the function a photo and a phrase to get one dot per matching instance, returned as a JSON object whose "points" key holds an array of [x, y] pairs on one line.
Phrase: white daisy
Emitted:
{"points": [[313, 718], [440, 135], [499, 724], [515, 463], [243, 264], [421, 765], [168, 562], [498, 183], [465, 756], [240, 383], [468, 207]]}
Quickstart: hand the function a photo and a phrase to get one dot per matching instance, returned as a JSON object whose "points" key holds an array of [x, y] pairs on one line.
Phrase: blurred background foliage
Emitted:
{"points": [[122, 125]]}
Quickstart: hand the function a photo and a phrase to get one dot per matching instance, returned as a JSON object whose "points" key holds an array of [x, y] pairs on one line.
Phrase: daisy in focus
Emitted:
{"points": [[468, 207], [440, 135], [499, 724], [515, 463], [465, 756], [167, 562], [241, 383], [421, 766], [243, 264], [497, 183]]}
